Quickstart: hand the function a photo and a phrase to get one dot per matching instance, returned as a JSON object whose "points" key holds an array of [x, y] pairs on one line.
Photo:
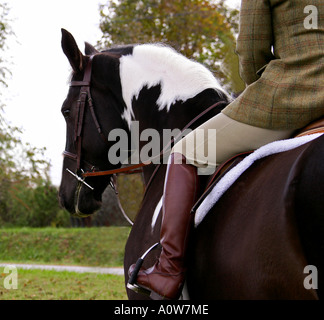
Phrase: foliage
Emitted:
{"points": [[131, 192], [5, 32], [200, 29], [26, 195], [34, 206]]}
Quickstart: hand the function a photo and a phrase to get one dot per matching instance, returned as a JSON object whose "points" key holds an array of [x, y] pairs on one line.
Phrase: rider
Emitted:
{"points": [[281, 54]]}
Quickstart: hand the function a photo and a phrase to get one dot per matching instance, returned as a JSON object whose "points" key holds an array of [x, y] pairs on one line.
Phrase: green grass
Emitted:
{"points": [[54, 285], [102, 247]]}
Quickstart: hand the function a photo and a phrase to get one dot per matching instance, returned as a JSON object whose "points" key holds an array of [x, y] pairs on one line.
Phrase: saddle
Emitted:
{"points": [[314, 127]]}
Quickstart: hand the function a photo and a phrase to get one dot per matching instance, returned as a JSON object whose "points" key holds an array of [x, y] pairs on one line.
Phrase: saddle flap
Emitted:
{"points": [[219, 173]]}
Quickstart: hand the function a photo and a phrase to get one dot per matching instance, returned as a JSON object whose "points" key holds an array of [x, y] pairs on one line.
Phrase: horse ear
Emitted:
{"points": [[71, 50], [89, 49]]}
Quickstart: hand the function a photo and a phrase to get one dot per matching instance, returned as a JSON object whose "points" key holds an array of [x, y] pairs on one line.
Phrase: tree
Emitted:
{"points": [[5, 32], [17, 160], [26, 194], [199, 29]]}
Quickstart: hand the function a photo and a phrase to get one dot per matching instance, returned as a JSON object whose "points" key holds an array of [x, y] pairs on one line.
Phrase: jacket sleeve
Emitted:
{"points": [[255, 40]]}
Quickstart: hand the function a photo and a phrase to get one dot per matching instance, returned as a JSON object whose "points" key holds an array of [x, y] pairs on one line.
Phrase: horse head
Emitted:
{"points": [[90, 113]]}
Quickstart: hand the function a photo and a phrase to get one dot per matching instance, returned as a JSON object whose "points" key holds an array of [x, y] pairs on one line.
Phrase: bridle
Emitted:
{"points": [[84, 97], [84, 100]]}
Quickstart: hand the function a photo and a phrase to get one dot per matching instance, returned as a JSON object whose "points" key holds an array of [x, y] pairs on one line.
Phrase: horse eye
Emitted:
{"points": [[66, 113]]}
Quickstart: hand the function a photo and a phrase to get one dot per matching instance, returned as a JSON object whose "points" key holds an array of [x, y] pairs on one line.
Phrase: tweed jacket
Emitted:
{"points": [[281, 55]]}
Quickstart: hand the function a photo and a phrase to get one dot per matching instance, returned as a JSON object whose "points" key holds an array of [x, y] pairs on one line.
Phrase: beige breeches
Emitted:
{"points": [[220, 138]]}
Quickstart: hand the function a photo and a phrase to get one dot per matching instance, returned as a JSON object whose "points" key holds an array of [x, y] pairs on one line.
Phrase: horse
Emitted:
{"points": [[256, 241]]}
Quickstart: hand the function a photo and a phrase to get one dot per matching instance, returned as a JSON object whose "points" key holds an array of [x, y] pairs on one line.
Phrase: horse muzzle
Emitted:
{"points": [[85, 203], [78, 199]]}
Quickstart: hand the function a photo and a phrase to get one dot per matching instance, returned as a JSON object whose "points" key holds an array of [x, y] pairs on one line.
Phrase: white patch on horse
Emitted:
{"points": [[156, 213], [151, 65]]}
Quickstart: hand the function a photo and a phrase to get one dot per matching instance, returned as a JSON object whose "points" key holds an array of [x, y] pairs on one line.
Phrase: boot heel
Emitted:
{"points": [[131, 284], [136, 288], [156, 296]]}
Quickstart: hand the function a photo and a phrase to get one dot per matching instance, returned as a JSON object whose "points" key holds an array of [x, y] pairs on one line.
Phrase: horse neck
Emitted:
{"points": [[176, 119]]}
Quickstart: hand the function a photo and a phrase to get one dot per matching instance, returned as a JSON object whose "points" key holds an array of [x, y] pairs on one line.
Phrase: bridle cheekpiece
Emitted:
{"points": [[83, 101]]}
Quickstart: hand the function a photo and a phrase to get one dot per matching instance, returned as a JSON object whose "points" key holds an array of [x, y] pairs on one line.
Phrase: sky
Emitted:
{"points": [[40, 70]]}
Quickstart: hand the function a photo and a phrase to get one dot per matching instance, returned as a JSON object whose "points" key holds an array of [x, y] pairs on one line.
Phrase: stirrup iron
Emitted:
{"points": [[131, 284]]}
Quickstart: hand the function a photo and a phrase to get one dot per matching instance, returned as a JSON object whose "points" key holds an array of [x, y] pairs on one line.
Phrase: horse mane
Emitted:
{"points": [[179, 78]]}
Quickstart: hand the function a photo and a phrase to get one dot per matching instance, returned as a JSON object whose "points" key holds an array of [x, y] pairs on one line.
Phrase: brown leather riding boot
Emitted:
{"points": [[166, 278]]}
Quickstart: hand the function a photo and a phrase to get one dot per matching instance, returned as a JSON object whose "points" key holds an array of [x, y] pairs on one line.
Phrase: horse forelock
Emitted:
{"points": [[150, 65]]}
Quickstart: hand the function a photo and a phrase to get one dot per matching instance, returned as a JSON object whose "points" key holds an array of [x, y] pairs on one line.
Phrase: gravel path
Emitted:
{"points": [[116, 271]]}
